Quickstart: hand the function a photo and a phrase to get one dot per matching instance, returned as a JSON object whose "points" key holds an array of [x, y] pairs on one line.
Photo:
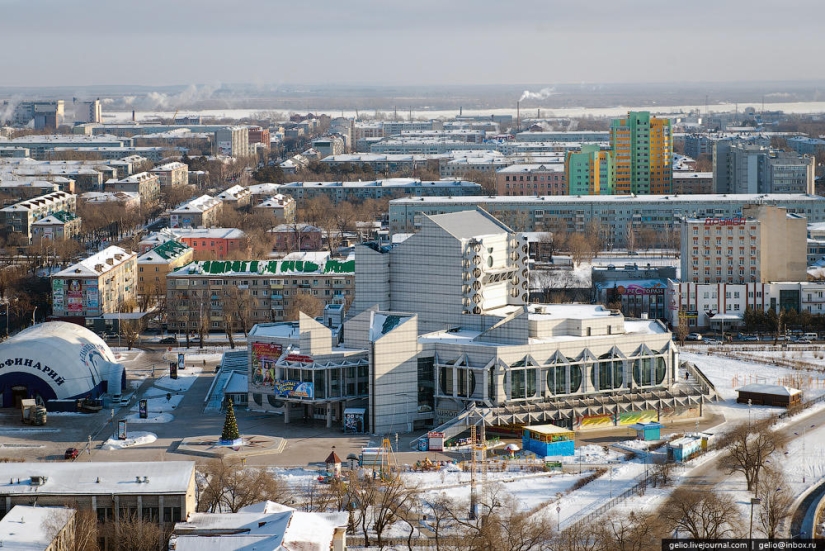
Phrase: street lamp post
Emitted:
{"points": [[558, 518], [754, 501]]}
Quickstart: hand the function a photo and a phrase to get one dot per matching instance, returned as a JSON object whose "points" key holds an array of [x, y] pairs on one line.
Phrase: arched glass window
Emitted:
{"points": [[445, 380], [557, 378], [608, 373], [466, 383], [522, 383], [649, 371]]}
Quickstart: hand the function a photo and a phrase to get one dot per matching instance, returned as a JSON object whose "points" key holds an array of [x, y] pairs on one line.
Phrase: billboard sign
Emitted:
{"points": [[121, 429], [293, 389], [74, 296], [143, 409], [264, 356]]}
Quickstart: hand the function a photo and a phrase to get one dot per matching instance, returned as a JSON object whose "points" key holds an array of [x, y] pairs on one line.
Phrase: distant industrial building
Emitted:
{"points": [[87, 111], [42, 115]]}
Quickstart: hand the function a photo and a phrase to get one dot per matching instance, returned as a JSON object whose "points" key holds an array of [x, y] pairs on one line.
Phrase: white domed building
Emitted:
{"points": [[57, 360]]}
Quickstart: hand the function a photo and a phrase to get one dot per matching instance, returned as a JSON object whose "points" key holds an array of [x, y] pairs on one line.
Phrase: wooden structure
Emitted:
{"points": [[769, 395]]}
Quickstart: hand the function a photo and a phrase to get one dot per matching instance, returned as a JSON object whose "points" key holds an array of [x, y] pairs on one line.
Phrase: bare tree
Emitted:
{"points": [[701, 514], [776, 502], [306, 303], [133, 533], [130, 330], [631, 532], [229, 487], [749, 445]]}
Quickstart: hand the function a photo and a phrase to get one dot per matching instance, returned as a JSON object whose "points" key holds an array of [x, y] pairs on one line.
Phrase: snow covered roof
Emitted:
{"points": [[165, 252], [99, 263], [198, 204], [28, 528], [776, 390], [161, 477]]}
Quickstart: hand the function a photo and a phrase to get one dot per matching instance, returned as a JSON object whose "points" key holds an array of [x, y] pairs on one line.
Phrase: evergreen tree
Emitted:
{"points": [[230, 425]]}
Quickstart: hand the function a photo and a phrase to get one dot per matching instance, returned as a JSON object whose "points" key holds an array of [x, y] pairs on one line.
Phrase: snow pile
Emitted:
{"points": [[136, 438]]}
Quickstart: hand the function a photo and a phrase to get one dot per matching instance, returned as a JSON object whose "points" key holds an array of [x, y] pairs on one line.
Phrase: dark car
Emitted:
{"points": [[169, 340], [71, 453]]}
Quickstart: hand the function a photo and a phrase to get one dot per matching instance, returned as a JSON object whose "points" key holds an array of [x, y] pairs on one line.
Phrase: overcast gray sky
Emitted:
{"points": [[159, 42]]}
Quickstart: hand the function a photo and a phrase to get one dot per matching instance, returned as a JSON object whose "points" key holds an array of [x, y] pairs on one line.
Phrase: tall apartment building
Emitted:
{"points": [[232, 141], [87, 111], [19, 217], [765, 244], [590, 171], [97, 285], [209, 289], [642, 148], [740, 167], [531, 179]]}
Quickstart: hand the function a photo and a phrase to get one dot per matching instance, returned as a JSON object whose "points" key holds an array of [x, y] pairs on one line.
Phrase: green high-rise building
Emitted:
{"points": [[589, 172], [642, 148]]}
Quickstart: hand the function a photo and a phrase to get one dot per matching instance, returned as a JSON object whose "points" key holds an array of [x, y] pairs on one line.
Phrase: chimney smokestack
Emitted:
{"points": [[518, 116], [133, 115]]}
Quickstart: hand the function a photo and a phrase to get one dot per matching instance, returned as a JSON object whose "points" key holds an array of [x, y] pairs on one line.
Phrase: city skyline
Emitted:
{"points": [[422, 43]]}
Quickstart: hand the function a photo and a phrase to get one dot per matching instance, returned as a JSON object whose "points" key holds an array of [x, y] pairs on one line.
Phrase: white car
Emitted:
{"points": [[693, 337]]}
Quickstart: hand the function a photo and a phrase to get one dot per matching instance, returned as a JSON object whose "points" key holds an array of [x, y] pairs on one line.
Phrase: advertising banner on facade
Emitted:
{"points": [[264, 356], [57, 294], [92, 298], [293, 389], [74, 296]]}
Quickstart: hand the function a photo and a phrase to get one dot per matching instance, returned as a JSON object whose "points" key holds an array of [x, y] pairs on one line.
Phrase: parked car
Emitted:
{"points": [[713, 341], [71, 453], [801, 340], [168, 340], [693, 337]]}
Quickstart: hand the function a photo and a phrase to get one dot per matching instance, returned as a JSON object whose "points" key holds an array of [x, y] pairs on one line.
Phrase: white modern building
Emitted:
{"points": [[440, 331]]}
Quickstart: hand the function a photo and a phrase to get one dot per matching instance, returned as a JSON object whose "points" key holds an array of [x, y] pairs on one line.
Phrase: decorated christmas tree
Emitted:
{"points": [[230, 425]]}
